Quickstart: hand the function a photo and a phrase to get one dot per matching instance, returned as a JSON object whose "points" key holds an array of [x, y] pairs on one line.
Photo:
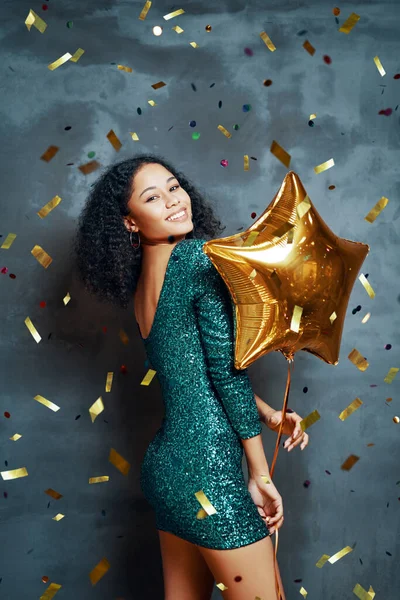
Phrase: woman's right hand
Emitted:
{"points": [[268, 501]]}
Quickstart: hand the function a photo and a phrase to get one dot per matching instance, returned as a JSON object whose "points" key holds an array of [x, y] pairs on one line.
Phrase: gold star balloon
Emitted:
{"points": [[290, 278]]}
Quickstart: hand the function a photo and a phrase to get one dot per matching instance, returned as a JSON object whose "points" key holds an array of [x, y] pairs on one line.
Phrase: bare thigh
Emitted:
{"points": [[186, 574], [251, 565]]}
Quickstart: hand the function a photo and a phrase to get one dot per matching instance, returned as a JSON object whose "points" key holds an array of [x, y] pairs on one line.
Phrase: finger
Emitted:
{"points": [[305, 441], [296, 443]]}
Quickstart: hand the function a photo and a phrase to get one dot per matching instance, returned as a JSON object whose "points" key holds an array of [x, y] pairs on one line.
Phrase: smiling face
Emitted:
{"points": [[156, 195]]}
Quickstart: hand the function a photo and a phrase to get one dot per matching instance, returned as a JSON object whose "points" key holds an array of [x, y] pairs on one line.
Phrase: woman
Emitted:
{"points": [[184, 315]]}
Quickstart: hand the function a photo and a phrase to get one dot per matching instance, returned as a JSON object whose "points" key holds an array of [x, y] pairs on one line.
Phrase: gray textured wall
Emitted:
{"points": [[61, 451]]}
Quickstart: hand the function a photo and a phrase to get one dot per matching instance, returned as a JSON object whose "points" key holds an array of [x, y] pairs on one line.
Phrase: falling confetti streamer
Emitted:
{"points": [[36, 21], [47, 403], [99, 571], [33, 330], [324, 166], [355, 405], [267, 40], [379, 66], [47, 208], [60, 61], [96, 409], [349, 23], [367, 286], [176, 13], [8, 241], [377, 209], [145, 10], [119, 462], [358, 360], [280, 153]]}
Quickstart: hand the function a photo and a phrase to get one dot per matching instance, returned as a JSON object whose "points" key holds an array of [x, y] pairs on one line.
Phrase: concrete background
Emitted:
{"points": [[62, 450]]}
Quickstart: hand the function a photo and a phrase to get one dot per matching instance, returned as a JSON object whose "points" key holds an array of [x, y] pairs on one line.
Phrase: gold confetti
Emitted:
{"points": [[340, 554], [194, 44], [349, 464], [134, 136], [265, 478], [324, 166], [391, 375], [205, 503], [176, 13], [324, 558], [147, 379], [283, 229], [312, 117], [50, 153], [145, 10], [89, 167], [302, 591], [303, 207], [15, 437], [53, 494], [123, 336], [114, 141], [376, 210], [122, 68], [41, 256], [43, 212], [58, 517], [333, 317], [396, 420], [267, 40], [367, 286], [295, 322], [363, 594], [251, 238], [8, 241], [246, 162], [119, 462], [350, 409], [178, 29], [14, 474], [309, 420], [221, 587], [99, 571], [349, 23], [366, 318], [66, 299], [379, 66], [280, 153], [151, 102], [96, 408], [60, 61], [160, 84], [47, 403], [76, 56], [224, 131], [109, 381], [358, 360], [101, 479], [36, 21], [51, 591], [32, 329], [309, 47]]}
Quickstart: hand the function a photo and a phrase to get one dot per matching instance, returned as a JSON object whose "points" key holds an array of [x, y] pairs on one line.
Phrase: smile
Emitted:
{"points": [[180, 216]]}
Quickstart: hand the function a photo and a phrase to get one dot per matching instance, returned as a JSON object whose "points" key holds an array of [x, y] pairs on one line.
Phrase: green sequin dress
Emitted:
{"points": [[209, 407]]}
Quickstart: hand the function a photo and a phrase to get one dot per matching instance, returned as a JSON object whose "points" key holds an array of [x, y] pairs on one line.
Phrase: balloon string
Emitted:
{"points": [[273, 467]]}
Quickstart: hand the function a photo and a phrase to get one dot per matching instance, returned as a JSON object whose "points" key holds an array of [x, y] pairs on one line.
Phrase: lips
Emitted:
{"points": [[176, 212]]}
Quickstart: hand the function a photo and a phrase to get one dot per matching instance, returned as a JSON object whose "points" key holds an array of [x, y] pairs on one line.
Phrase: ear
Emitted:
{"points": [[129, 224]]}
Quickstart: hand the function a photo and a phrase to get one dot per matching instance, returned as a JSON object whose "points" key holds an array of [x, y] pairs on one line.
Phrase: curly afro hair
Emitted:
{"points": [[106, 263]]}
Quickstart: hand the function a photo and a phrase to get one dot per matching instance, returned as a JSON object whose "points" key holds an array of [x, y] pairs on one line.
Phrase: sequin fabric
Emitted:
{"points": [[209, 407]]}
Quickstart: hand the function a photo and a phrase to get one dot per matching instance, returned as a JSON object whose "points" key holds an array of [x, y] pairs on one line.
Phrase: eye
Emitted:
{"points": [[156, 196]]}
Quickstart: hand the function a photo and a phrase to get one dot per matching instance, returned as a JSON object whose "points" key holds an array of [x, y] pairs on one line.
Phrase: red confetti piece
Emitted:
{"points": [[104, 328], [4, 270], [336, 11], [7, 415], [387, 112], [332, 187], [248, 51], [45, 7], [253, 215], [327, 59], [224, 163], [397, 76], [123, 369], [12, 276], [42, 304]]}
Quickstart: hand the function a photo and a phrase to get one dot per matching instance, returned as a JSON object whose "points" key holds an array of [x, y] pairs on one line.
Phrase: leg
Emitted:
{"points": [[186, 574], [253, 563]]}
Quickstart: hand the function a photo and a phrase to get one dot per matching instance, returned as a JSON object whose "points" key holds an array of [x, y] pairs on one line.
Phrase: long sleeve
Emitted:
{"points": [[215, 314]]}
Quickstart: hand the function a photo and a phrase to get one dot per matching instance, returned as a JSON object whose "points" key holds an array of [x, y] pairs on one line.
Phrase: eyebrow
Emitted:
{"points": [[153, 187]]}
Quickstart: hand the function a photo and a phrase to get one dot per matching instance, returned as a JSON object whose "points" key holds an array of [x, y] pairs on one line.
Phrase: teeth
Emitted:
{"points": [[176, 216]]}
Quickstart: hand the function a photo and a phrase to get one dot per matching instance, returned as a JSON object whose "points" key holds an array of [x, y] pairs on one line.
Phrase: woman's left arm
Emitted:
{"points": [[272, 419]]}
